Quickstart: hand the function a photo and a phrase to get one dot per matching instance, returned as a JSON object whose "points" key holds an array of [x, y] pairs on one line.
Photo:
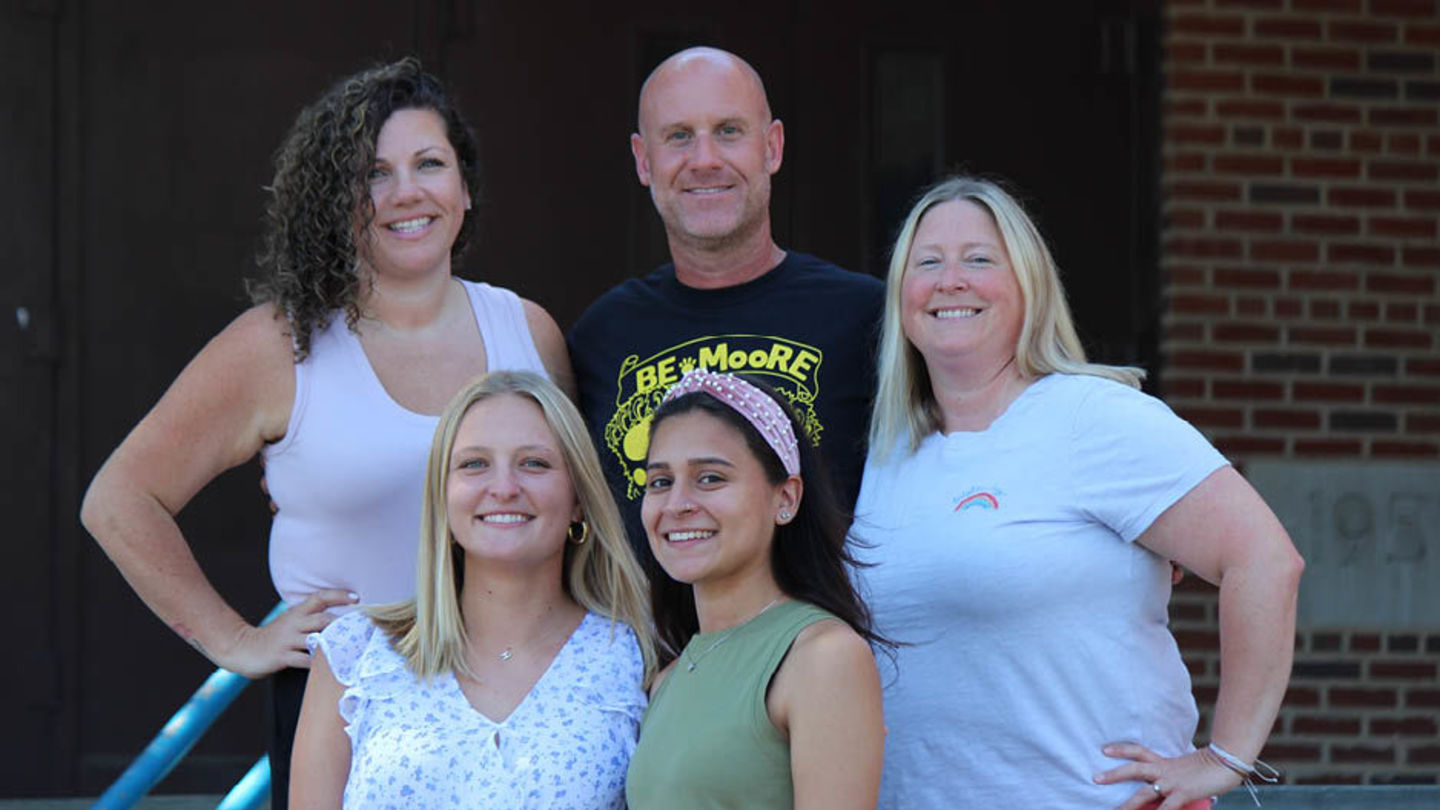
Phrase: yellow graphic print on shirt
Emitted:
{"points": [[791, 368]]}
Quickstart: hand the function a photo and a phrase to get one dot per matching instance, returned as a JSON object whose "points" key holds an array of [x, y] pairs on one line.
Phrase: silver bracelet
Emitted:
{"points": [[1260, 770]]}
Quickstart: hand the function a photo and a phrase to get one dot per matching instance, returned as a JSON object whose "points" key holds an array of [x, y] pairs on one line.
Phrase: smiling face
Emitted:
{"points": [[960, 301], [419, 196], [709, 509], [509, 498], [706, 148]]}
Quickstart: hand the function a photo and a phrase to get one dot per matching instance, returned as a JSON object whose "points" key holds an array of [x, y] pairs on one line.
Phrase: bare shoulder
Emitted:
{"points": [[830, 644], [550, 343], [661, 676]]}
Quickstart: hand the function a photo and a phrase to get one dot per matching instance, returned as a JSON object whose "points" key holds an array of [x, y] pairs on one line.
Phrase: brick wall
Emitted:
{"points": [[1302, 270]]}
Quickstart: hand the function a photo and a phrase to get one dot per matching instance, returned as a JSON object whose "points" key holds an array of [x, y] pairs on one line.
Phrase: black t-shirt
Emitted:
{"points": [[806, 328]]}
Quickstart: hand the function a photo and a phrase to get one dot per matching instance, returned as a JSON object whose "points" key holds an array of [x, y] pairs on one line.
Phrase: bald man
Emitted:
{"points": [[731, 299]]}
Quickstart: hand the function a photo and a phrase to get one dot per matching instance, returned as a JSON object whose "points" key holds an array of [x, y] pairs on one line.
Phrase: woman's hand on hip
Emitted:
{"points": [[1172, 781], [258, 651]]}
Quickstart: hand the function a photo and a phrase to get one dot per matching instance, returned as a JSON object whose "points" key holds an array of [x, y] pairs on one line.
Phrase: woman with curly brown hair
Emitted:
{"points": [[359, 336]]}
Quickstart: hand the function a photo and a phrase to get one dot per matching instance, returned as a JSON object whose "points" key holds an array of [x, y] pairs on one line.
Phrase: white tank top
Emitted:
{"points": [[349, 474]]}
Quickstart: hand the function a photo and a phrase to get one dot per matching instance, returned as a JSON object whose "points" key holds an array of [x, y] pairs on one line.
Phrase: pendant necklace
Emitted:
{"points": [[696, 658]]}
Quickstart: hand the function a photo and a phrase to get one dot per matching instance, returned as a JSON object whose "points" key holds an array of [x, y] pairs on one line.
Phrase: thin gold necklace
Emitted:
{"points": [[696, 658]]}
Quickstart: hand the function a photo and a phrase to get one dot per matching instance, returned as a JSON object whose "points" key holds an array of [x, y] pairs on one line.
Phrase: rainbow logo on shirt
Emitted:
{"points": [[980, 500]]}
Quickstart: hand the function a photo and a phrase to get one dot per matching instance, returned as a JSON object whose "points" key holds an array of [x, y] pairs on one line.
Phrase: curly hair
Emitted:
{"points": [[320, 196]]}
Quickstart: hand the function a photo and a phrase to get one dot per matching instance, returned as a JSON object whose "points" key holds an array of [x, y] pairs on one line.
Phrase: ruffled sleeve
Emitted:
{"points": [[362, 660]]}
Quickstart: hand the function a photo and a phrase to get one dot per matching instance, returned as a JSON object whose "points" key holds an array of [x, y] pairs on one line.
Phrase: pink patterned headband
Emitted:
{"points": [[762, 412]]}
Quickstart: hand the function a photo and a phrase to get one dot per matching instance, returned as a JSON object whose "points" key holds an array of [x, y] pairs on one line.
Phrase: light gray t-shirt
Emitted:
{"points": [[1037, 627]]}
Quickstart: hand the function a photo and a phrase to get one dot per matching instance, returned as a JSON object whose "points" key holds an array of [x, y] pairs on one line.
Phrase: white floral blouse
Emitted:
{"points": [[414, 744]]}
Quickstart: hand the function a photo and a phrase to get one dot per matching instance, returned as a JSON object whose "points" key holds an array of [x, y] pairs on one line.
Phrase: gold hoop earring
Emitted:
{"points": [[584, 532]]}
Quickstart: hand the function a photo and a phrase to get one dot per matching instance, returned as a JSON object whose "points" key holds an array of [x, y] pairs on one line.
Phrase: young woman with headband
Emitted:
{"points": [[770, 698]]}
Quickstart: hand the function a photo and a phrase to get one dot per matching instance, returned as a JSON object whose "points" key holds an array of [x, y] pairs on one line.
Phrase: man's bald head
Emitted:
{"points": [[699, 61]]}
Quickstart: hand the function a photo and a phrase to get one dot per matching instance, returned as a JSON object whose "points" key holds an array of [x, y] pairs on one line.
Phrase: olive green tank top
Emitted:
{"points": [[707, 740]]}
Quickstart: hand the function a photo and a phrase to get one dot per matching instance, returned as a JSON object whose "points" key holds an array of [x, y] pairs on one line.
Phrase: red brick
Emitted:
{"points": [[1247, 389], [1425, 257], [1324, 308], [1287, 307], [1199, 247], [1243, 445], [1402, 170], [1327, 447], [1407, 395], [1317, 724], [1392, 449], [1195, 133], [1347, 31], [1287, 28], [1404, 726], [1321, 223], [1403, 116], [1424, 755], [1284, 251], [1397, 283], [1249, 306], [1419, 9], [1244, 333], [1361, 197], [1332, 113], [1249, 108], [1396, 312], [1249, 221], [1397, 339], [1404, 144], [1207, 25], [1247, 277], [1325, 167], [1205, 81], [1287, 85], [1325, 5], [1364, 642], [1250, 3], [1422, 423], [1418, 366], [1347, 59], [1238, 54], [1361, 254], [1362, 753], [1212, 417], [1288, 138], [1422, 697], [1422, 35], [1422, 200], [1186, 106], [1214, 361], [1322, 336], [1379, 698], [1323, 280], [1185, 331], [1363, 311], [1186, 387], [1302, 696], [1293, 419], [1290, 752], [1185, 274], [1200, 304], [1327, 392], [1403, 228], [1432, 145], [1185, 218], [1185, 162], [1409, 670], [1250, 164], [1185, 51], [1194, 190], [1362, 141]]}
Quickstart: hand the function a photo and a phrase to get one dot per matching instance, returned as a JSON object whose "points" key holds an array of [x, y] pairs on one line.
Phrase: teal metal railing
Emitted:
{"points": [[179, 735]]}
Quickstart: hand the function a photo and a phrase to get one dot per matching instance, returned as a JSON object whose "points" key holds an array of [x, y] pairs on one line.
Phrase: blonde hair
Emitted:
{"points": [[602, 574], [904, 401]]}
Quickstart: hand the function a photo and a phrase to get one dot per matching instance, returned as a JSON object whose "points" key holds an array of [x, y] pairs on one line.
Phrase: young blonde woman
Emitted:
{"points": [[515, 678]]}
